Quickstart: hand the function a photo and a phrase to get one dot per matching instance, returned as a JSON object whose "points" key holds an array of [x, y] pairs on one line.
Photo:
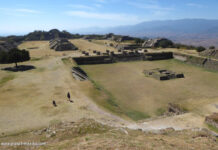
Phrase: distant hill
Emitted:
{"points": [[7, 45], [43, 35], [187, 31], [197, 32]]}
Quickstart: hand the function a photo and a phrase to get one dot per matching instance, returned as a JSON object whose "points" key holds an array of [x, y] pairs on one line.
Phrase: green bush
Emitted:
{"points": [[212, 47], [14, 56], [164, 44], [200, 49], [139, 41]]}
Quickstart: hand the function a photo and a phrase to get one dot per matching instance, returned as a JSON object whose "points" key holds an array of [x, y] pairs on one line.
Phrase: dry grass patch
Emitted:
{"points": [[6, 79], [133, 91]]}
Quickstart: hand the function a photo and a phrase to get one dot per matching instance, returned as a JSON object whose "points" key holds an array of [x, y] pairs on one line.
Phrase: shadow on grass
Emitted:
{"points": [[20, 68]]}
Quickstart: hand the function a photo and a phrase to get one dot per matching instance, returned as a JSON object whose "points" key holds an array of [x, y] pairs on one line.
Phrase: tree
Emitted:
{"points": [[212, 47], [3, 57], [200, 49], [164, 44], [14, 56], [138, 41]]}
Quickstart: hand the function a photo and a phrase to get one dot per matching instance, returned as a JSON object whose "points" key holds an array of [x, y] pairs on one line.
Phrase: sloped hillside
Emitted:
{"points": [[89, 134]]}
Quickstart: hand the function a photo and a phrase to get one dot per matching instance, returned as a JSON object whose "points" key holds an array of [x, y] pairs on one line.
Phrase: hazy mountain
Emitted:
{"points": [[188, 31]]}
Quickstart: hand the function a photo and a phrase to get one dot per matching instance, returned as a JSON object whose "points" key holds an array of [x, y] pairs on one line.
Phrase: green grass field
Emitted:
{"points": [[138, 96]]}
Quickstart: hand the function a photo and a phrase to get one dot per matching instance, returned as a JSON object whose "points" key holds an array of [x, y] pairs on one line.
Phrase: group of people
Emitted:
{"points": [[69, 99]]}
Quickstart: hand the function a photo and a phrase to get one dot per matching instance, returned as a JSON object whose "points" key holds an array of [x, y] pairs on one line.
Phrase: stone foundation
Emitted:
{"points": [[163, 74]]}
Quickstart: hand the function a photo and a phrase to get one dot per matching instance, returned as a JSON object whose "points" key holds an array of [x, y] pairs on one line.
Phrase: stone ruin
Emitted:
{"points": [[163, 74], [61, 44], [112, 57], [131, 47], [85, 53], [152, 42], [211, 53], [205, 62], [117, 38], [79, 74]]}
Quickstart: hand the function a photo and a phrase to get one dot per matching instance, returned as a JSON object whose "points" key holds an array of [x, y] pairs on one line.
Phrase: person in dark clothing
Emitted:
{"points": [[54, 103], [68, 96]]}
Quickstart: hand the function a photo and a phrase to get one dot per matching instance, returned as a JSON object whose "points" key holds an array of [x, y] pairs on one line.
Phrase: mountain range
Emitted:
{"points": [[186, 31]]}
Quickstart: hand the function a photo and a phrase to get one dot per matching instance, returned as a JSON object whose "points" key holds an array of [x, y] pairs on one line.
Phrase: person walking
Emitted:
{"points": [[54, 103], [68, 96]]}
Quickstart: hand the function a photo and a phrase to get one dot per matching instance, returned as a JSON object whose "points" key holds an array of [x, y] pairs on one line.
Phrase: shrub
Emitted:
{"points": [[14, 56], [200, 49], [139, 41], [165, 44], [212, 47]]}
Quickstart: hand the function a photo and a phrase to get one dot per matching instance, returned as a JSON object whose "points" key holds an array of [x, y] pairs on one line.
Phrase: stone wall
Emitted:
{"points": [[158, 56], [113, 58], [93, 60], [127, 57], [128, 47], [207, 63]]}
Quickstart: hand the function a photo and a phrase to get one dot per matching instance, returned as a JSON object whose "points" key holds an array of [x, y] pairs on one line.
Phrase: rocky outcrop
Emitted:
{"points": [[211, 53], [174, 109], [212, 120], [62, 45]]}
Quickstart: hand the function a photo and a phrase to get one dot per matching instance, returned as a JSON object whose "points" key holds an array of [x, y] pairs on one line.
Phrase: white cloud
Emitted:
{"points": [[23, 10], [78, 6], [19, 11], [104, 16], [98, 5], [101, 1], [150, 5], [195, 5]]}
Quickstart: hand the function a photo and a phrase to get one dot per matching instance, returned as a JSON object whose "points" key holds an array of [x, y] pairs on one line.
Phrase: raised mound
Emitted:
{"points": [[61, 44]]}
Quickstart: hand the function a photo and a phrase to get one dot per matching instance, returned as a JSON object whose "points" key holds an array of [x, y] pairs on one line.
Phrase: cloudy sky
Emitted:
{"points": [[22, 16]]}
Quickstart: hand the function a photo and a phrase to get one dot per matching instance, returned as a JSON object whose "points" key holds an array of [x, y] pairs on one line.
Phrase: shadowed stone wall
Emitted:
{"points": [[206, 63], [122, 58]]}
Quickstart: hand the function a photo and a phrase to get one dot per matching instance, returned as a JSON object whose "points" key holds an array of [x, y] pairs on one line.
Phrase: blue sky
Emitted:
{"points": [[22, 16]]}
